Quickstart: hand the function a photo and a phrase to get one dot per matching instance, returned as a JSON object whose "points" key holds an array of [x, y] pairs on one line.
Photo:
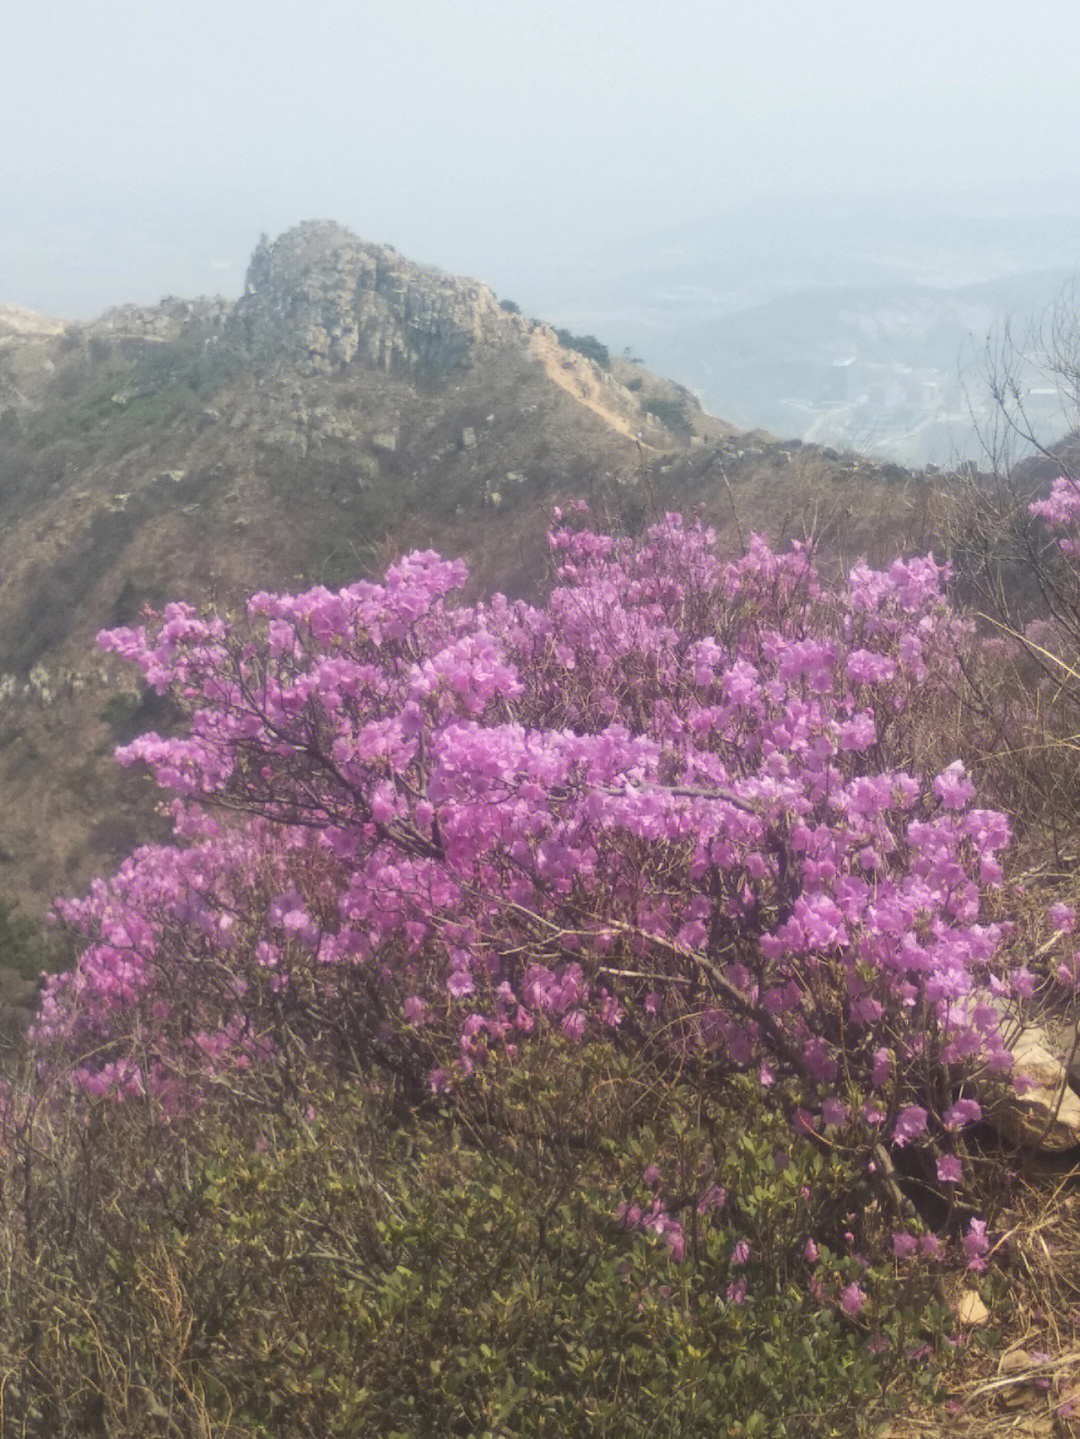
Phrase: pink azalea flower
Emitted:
{"points": [[976, 1245], [910, 1123], [834, 1113], [964, 1111], [852, 1299], [949, 1169], [953, 787], [1062, 917]]}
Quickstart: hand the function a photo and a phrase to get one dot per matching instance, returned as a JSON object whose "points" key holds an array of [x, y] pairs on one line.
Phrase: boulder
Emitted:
{"points": [[1065, 1040], [970, 1309], [1044, 1113]]}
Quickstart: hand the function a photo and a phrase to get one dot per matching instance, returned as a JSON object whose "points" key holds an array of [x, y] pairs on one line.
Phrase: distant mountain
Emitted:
{"points": [[349, 405], [847, 325]]}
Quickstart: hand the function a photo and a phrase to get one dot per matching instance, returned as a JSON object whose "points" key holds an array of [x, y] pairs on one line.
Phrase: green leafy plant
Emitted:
{"points": [[309, 1258], [672, 414], [587, 345], [24, 945]]}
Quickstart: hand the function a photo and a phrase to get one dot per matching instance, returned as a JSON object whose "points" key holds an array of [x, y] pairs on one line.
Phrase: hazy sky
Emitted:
{"points": [[144, 147]]}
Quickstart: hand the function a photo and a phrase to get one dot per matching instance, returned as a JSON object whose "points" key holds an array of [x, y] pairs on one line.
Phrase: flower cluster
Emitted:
{"points": [[1061, 511]]}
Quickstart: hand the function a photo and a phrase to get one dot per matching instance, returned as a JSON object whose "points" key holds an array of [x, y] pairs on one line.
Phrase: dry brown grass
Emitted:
{"points": [[1017, 1381]]}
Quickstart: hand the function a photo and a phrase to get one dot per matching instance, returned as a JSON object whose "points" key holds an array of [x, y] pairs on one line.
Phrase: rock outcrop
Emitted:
{"points": [[1043, 1113], [321, 299], [162, 322]]}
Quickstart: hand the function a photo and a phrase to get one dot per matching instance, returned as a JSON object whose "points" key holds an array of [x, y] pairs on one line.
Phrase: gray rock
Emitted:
{"points": [[1045, 1116], [326, 299]]}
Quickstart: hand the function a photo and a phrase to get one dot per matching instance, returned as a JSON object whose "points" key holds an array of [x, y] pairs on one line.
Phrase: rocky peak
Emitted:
{"points": [[324, 299]]}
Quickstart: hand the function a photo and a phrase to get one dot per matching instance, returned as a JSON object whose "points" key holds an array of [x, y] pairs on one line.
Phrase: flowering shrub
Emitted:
{"points": [[692, 837], [676, 804]]}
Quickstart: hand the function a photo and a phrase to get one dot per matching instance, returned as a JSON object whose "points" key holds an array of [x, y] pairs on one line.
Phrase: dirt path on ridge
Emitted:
{"points": [[574, 374]]}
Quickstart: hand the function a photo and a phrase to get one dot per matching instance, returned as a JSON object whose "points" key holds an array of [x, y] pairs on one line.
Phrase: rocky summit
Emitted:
{"points": [[322, 299]]}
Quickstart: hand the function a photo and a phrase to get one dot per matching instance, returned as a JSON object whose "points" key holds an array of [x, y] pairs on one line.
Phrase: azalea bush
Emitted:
{"points": [[694, 831], [685, 803]]}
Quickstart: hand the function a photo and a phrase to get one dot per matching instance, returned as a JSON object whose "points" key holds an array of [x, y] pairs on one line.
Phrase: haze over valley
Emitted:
{"points": [[855, 324]]}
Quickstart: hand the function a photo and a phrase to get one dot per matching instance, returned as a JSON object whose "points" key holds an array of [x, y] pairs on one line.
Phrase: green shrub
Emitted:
{"points": [[671, 414], [128, 714], [24, 945], [587, 345], [119, 714], [326, 1262]]}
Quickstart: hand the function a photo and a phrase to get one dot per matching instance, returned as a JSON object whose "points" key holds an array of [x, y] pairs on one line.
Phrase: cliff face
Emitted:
{"points": [[321, 299]]}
